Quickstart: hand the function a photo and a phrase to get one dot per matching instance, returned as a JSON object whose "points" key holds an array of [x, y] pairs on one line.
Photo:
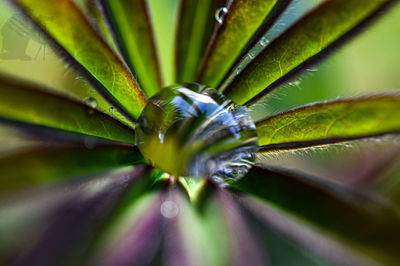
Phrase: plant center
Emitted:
{"points": [[193, 131]]}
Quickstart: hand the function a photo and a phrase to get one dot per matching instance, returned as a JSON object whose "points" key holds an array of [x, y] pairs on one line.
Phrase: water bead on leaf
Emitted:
{"points": [[192, 130], [220, 14], [92, 102]]}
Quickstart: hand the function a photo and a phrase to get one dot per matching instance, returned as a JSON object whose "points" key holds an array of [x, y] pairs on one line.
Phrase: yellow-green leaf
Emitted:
{"points": [[330, 122], [25, 103], [67, 25], [131, 24], [303, 44], [195, 27], [241, 22]]}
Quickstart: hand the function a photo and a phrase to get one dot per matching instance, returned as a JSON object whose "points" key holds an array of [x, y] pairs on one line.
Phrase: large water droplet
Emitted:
{"points": [[220, 14], [192, 130]]}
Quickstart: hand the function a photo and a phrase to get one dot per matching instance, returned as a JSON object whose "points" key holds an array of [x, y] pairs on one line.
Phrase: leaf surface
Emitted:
{"points": [[60, 222], [240, 24], [302, 45], [362, 221], [67, 25], [25, 103], [331, 122], [45, 165], [131, 24], [195, 27]]}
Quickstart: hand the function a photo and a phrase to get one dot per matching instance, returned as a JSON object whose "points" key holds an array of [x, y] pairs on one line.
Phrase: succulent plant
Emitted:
{"points": [[177, 170]]}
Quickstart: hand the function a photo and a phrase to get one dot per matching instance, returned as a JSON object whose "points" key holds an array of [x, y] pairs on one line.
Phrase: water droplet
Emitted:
{"points": [[220, 14], [294, 83], [251, 55], [169, 209], [194, 131], [111, 110], [92, 102], [264, 41]]}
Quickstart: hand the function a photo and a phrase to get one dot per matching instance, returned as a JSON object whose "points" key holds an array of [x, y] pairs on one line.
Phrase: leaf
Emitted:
{"points": [[362, 221], [131, 23], [241, 24], [62, 220], [95, 13], [66, 24], [282, 234], [302, 45], [195, 27], [164, 21], [239, 232], [201, 230], [134, 236], [25, 103], [331, 122], [44, 165]]}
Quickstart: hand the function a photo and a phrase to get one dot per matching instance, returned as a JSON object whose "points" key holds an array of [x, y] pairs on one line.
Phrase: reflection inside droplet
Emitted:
{"points": [[194, 131]]}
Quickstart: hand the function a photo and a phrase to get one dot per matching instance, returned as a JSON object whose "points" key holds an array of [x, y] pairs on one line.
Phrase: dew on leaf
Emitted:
{"points": [[220, 14], [111, 110], [193, 131], [92, 102], [264, 41]]}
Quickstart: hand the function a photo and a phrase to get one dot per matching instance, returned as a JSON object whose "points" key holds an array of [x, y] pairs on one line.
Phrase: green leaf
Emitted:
{"points": [[362, 221], [26, 103], [164, 21], [67, 25], [196, 25], [131, 24], [313, 36], [95, 13], [240, 25], [330, 122], [201, 229], [44, 165]]}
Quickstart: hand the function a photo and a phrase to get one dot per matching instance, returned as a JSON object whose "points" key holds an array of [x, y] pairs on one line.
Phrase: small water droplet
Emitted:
{"points": [[264, 41], [92, 102], [111, 110], [220, 14], [251, 55], [169, 209], [294, 83]]}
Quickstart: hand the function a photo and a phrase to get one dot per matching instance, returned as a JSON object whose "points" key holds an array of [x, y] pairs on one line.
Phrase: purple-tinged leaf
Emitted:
{"points": [[56, 225], [367, 223]]}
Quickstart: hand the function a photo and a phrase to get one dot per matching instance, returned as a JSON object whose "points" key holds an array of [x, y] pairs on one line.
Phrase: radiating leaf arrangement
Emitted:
{"points": [[82, 194]]}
